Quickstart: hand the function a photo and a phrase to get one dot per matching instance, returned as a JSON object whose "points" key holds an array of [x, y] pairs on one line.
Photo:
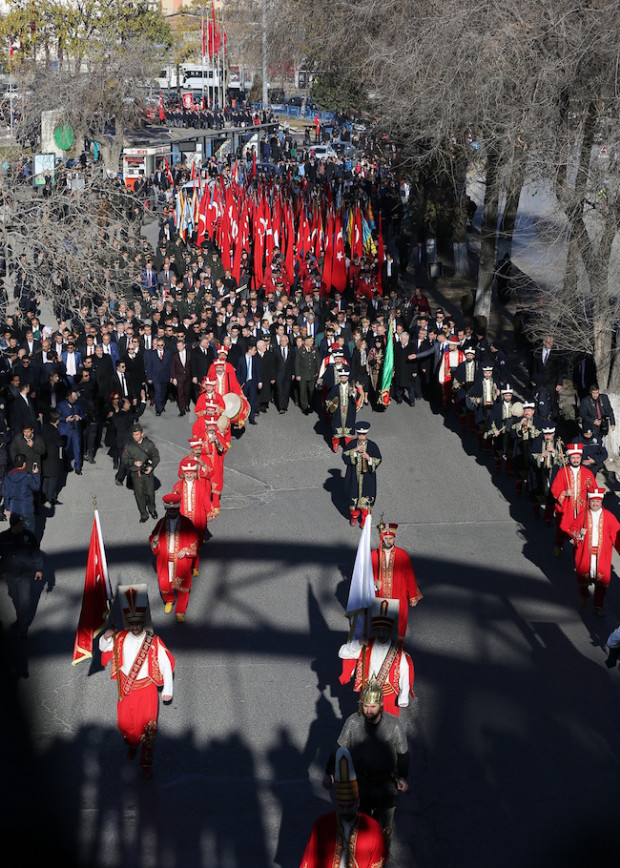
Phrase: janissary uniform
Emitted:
{"points": [[214, 448], [345, 838], [577, 481], [175, 544], [334, 843], [142, 663], [195, 496], [394, 576], [226, 381], [383, 658], [341, 405], [360, 479], [595, 535]]}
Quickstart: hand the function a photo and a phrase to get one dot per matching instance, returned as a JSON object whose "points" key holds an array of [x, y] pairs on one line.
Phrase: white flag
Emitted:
{"points": [[362, 590]]}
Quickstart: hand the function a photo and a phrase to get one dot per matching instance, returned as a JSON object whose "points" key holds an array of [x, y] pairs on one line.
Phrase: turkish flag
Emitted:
{"points": [[339, 265], [96, 597]]}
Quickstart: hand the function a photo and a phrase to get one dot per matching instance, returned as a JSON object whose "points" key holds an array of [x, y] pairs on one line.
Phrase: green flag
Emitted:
{"points": [[388, 368]]}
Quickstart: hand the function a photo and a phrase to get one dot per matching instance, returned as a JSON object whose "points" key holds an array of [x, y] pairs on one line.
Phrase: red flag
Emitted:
{"points": [[328, 260], [339, 265], [358, 234], [162, 111], [289, 260], [97, 594], [170, 178], [204, 39], [380, 258], [210, 29], [10, 48], [188, 99]]}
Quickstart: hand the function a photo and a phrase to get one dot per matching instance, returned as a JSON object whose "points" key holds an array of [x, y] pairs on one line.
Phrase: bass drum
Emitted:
{"points": [[232, 407]]}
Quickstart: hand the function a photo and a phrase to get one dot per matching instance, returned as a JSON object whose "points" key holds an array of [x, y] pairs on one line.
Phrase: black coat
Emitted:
{"points": [[404, 368], [52, 464], [549, 374]]}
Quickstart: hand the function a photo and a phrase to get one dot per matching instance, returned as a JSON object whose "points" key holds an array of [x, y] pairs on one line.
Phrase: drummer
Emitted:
{"points": [[226, 382]]}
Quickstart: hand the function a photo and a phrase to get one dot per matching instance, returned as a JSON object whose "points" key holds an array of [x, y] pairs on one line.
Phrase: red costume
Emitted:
{"points": [[208, 398], [395, 673], [140, 677], [214, 448], [570, 509], [365, 847], [196, 503], [175, 551], [227, 382], [596, 533], [205, 466], [394, 577]]}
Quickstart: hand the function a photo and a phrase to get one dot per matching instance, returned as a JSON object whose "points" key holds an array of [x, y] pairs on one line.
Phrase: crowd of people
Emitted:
{"points": [[180, 333]]}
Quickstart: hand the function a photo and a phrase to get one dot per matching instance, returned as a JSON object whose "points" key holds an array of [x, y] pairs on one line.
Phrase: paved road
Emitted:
{"points": [[513, 732]]}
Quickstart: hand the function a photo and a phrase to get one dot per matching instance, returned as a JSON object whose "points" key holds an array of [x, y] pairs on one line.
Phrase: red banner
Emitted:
{"points": [[97, 593]]}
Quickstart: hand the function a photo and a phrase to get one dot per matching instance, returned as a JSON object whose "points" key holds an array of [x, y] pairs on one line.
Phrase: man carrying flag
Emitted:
{"points": [[96, 598], [140, 664], [362, 457]]}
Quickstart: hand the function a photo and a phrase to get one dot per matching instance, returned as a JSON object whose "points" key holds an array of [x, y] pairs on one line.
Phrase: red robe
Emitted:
{"points": [[228, 382], [367, 848], [196, 506], [137, 711], [183, 555], [396, 580], [571, 509], [204, 399], [213, 453], [388, 677], [608, 539]]}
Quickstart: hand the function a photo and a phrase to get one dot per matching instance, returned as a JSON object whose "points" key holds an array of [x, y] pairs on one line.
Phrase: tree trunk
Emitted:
{"points": [[511, 208], [488, 236], [461, 259]]}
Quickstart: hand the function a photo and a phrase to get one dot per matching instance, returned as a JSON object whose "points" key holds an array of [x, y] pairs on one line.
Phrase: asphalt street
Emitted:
{"points": [[513, 731]]}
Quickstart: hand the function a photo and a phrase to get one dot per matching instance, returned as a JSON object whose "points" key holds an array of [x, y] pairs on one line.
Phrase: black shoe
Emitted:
{"points": [[118, 482], [89, 459], [253, 422], [182, 413], [143, 518], [56, 503], [154, 513], [78, 472], [2, 516], [158, 413], [281, 412]]}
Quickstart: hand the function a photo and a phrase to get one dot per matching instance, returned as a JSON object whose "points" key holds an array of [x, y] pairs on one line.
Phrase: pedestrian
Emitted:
{"points": [[141, 663], [140, 458], [52, 465], [570, 489], [362, 457], [21, 562], [71, 415], [175, 543], [29, 444], [19, 489], [377, 744], [346, 837]]}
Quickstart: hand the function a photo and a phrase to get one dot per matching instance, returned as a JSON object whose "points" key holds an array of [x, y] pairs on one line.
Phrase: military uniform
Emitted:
{"points": [[142, 478]]}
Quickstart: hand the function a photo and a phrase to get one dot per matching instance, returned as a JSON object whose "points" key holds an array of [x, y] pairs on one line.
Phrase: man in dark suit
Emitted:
{"points": [[267, 361], [157, 364], [201, 359], [249, 376], [52, 465], [285, 373], [104, 372], [134, 368], [405, 370], [596, 412], [546, 367], [180, 374], [120, 380], [21, 410], [51, 393]]}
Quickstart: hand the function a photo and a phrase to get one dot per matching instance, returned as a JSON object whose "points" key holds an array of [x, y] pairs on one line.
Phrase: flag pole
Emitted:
{"points": [[110, 596]]}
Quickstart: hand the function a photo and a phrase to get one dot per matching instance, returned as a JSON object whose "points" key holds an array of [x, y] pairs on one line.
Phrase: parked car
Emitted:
{"points": [[322, 152]]}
